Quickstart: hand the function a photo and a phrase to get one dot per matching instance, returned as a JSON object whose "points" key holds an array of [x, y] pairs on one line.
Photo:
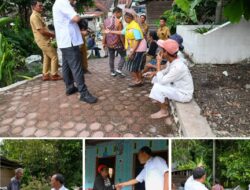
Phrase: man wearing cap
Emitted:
{"points": [[15, 182], [174, 82], [154, 174], [197, 180], [102, 180], [69, 40], [57, 182]]}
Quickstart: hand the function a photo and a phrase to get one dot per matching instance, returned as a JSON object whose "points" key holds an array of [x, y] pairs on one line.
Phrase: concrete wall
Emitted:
{"points": [[225, 44], [124, 162], [6, 174]]}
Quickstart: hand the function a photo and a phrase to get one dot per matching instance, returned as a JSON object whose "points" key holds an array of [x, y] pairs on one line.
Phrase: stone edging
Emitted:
{"points": [[19, 83]]}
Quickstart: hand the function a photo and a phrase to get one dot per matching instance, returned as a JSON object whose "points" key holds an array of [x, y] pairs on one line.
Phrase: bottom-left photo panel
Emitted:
{"points": [[41, 164]]}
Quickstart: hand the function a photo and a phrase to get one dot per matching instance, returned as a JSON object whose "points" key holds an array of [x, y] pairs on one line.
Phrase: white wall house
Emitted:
{"points": [[225, 44]]}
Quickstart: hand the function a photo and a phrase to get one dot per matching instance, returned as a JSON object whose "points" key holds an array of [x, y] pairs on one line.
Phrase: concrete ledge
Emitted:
{"points": [[192, 124]]}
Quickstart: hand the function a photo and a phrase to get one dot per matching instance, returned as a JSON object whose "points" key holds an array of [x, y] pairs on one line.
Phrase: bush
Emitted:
{"points": [[38, 184]]}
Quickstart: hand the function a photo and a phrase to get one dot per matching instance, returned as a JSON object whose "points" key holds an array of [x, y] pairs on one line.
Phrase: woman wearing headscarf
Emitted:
{"points": [[137, 45], [102, 180]]}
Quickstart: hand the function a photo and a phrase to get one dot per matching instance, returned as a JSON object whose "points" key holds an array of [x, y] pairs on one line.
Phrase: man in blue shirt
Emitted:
{"points": [[15, 182]]}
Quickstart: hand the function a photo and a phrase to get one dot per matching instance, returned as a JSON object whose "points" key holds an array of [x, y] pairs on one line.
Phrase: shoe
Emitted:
{"points": [[87, 97], [113, 74], [71, 91], [46, 77], [56, 77], [119, 72]]}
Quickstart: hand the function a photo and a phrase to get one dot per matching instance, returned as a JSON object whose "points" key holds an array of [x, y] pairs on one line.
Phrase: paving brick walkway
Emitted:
{"points": [[42, 109]]}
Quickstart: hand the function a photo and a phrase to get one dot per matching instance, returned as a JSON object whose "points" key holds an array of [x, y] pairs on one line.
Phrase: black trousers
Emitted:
{"points": [[72, 68]]}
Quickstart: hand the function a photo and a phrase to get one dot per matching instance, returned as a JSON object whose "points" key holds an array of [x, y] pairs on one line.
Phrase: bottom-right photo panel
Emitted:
{"points": [[210, 164]]}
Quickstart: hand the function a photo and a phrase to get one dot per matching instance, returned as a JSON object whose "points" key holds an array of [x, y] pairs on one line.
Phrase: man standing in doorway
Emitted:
{"points": [[43, 37], [163, 32], [57, 182], [115, 42], [155, 172], [15, 182], [69, 39]]}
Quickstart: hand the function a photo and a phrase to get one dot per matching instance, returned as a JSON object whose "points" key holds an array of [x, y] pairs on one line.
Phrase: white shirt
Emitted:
{"points": [[153, 173], [67, 32], [192, 184], [178, 75], [62, 188]]}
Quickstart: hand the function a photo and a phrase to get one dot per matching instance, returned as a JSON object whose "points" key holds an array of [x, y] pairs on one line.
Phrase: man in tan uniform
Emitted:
{"points": [[163, 32], [144, 25], [42, 37]]}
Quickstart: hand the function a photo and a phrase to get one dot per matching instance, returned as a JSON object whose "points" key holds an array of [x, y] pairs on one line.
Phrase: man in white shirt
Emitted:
{"points": [[197, 180], [174, 82], [57, 182], [155, 172], [69, 38]]}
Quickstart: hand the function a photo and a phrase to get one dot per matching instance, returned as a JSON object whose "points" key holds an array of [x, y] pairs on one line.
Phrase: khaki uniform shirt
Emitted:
{"points": [[145, 28], [163, 33], [37, 22]]}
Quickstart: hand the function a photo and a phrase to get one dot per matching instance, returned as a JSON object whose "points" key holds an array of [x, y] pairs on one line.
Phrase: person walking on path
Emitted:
{"points": [[137, 45], [15, 182], [69, 38], [43, 38], [114, 42]]}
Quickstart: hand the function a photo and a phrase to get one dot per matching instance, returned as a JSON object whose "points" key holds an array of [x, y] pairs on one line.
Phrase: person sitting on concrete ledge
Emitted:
{"points": [[174, 82]]}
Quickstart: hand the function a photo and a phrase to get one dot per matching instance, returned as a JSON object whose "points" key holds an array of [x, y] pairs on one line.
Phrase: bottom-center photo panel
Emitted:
{"points": [[126, 164]]}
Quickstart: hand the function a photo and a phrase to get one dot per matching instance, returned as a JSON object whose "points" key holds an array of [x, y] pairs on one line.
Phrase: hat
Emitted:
{"points": [[100, 168], [130, 12], [178, 39], [171, 46]]}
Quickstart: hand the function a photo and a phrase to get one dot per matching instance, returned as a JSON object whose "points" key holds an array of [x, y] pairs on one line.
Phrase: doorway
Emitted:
{"points": [[110, 162], [139, 167]]}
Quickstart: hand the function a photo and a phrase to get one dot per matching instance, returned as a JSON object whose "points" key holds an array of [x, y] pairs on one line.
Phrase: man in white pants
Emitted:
{"points": [[174, 82]]}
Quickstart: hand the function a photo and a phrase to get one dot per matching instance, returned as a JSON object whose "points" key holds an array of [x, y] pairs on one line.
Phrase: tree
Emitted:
{"points": [[22, 8]]}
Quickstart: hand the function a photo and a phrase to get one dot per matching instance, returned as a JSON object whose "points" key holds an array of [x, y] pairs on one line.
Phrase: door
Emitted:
{"points": [[110, 162]]}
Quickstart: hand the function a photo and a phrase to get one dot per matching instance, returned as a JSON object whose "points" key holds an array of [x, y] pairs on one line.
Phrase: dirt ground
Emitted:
{"points": [[224, 100]]}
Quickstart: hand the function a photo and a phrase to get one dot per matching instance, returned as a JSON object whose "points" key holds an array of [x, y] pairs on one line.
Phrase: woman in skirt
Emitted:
{"points": [[137, 46]]}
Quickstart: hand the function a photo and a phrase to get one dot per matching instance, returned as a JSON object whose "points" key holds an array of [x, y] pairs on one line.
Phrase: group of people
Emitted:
{"points": [[170, 75], [56, 181], [154, 174]]}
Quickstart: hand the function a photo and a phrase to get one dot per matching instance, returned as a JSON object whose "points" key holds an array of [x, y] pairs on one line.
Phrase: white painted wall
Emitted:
{"points": [[226, 44]]}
